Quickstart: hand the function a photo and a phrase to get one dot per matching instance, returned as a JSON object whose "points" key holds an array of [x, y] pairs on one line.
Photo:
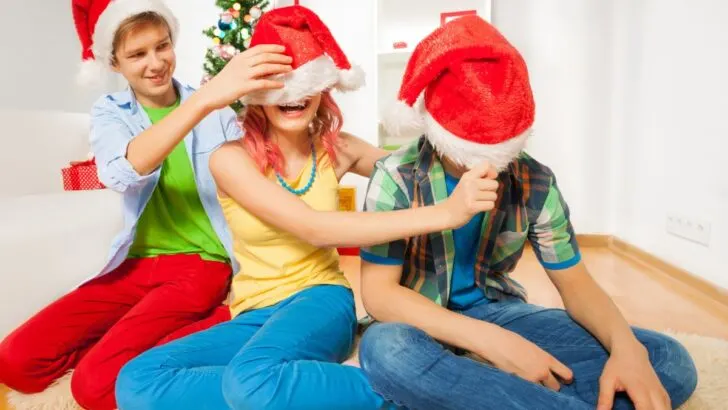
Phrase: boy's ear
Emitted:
{"points": [[115, 65]]}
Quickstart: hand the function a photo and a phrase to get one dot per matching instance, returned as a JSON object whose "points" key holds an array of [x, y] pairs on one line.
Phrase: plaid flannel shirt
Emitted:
{"points": [[529, 207]]}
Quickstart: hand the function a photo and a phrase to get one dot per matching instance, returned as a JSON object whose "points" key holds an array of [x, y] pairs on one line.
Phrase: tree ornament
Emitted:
{"points": [[227, 52], [226, 21], [236, 6], [256, 12], [216, 51]]}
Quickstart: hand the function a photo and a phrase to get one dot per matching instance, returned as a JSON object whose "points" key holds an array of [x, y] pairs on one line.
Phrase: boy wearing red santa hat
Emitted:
{"points": [[170, 266], [454, 330]]}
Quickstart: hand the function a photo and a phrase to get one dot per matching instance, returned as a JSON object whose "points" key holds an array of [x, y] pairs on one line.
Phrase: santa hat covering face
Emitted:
{"points": [[96, 24], [318, 61], [477, 104]]}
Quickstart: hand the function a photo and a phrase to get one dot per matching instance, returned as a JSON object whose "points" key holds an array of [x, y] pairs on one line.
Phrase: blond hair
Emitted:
{"points": [[135, 23]]}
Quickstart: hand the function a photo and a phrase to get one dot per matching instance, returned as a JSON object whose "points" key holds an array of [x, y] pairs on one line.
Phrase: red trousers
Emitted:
{"points": [[103, 324]]}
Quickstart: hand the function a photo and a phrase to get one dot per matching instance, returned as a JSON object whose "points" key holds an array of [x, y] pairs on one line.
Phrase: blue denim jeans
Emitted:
{"points": [[283, 357], [411, 369]]}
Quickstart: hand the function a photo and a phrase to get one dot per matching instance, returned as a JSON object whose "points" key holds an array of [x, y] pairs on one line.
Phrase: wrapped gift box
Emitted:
{"points": [[347, 202], [81, 176]]}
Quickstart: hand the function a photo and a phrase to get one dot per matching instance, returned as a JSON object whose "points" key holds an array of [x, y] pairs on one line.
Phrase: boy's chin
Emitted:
{"points": [[151, 89], [159, 89]]}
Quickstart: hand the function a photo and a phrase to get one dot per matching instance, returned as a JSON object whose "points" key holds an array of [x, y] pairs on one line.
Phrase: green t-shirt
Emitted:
{"points": [[174, 221]]}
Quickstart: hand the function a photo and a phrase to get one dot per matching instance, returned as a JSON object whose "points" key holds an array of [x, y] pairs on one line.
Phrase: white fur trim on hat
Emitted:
{"points": [[309, 79], [116, 12], [470, 154], [351, 79], [91, 72], [400, 119]]}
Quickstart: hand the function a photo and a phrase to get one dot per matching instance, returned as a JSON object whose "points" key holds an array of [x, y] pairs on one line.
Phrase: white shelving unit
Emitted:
{"points": [[408, 21]]}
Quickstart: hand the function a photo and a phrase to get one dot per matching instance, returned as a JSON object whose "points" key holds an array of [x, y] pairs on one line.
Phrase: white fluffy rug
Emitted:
{"points": [[56, 397], [710, 356], [711, 359]]}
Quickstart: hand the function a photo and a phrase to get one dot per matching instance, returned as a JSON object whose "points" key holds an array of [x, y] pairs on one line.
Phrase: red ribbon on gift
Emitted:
{"points": [[91, 161], [81, 176]]}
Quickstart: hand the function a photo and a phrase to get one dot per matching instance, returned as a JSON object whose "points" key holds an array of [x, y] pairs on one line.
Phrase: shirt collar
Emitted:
{"points": [[426, 159], [128, 98]]}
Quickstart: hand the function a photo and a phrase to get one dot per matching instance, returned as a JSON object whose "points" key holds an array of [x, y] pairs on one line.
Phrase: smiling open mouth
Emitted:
{"points": [[158, 78], [295, 107]]}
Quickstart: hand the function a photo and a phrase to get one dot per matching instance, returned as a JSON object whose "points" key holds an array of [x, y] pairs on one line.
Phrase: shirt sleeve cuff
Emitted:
{"points": [[562, 265], [237, 133], [126, 172], [380, 260], [231, 127]]}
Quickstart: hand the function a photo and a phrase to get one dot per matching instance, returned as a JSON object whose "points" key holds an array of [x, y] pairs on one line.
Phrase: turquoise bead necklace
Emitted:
{"points": [[311, 178]]}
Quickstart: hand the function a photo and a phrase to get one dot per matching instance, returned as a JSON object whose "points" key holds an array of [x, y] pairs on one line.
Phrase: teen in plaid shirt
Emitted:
{"points": [[455, 330], [529, 208]]}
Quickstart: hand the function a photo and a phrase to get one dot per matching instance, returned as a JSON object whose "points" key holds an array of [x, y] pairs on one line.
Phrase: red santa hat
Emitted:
{"points": [[96, 24], [477, 103], [318, 61]]}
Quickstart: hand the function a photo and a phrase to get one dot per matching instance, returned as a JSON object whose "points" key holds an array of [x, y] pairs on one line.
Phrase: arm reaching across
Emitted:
{"points": [[237, 177]]}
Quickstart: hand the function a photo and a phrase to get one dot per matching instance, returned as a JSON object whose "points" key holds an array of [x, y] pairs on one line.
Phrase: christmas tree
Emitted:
{"points": [[231, 35]]}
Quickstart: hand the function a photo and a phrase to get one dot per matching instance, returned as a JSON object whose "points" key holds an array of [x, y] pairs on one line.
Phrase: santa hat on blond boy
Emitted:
{"points": [[477, 103], [318, 61], [96, 24]]}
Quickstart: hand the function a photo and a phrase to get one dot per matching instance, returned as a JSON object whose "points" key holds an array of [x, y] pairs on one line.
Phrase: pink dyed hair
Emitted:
{"points": [[267, 155]]}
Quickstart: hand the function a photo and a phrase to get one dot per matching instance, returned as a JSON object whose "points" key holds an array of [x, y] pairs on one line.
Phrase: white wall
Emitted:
{"points": [[194, 17], [39, 143], [41, 54], [668, 117], [412, 20], [565, 44]]}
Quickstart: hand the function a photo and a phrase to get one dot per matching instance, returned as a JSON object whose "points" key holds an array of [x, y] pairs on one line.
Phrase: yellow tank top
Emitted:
{"points": [[274, 263]]}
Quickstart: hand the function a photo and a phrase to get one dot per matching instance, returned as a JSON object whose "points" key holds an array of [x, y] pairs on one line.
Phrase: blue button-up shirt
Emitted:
{"points": [[115, 120]]}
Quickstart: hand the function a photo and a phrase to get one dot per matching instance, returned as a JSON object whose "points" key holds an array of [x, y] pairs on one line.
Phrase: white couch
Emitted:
{"points": [[50, 240]]}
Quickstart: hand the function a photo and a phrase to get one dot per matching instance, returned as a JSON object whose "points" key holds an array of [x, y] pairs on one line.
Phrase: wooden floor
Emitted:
{"points": [[648, 298], [3, 405]]}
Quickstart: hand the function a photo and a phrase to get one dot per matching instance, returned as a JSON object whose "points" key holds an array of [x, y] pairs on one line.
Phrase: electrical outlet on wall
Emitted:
{"points": [[689, 228]]}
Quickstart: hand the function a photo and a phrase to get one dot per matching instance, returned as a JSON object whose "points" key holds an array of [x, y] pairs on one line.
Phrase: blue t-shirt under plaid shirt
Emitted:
{"points": [[464, 293]]}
